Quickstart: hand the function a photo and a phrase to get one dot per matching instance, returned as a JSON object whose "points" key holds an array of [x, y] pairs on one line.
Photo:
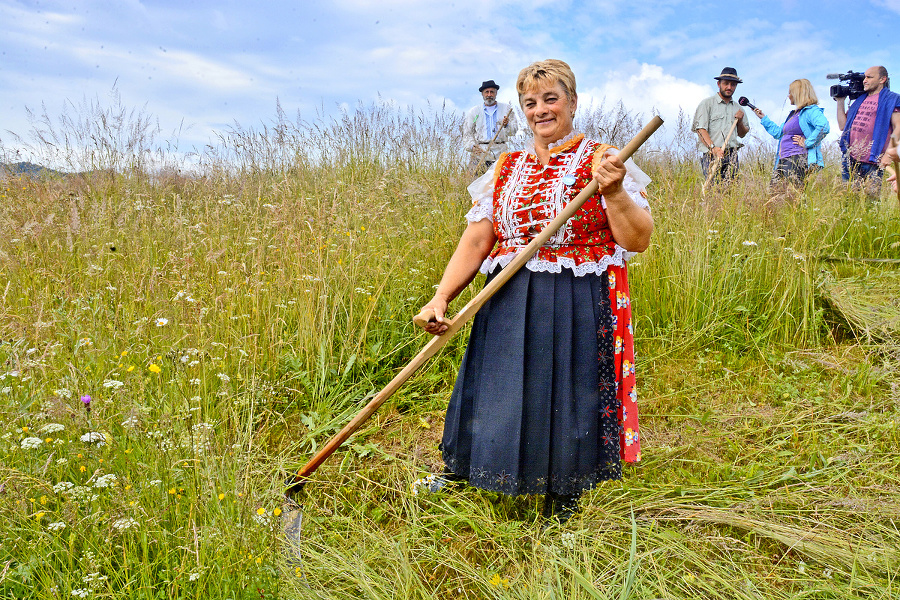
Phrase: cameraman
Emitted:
{"points": [[866, 127]]}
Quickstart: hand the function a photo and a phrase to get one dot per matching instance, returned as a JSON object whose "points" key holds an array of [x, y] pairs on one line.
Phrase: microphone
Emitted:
{"points": [[744, 102], [833, 76]]}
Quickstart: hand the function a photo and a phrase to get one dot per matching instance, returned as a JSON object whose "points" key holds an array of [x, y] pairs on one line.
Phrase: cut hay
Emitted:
{"points": [[867, 306]]}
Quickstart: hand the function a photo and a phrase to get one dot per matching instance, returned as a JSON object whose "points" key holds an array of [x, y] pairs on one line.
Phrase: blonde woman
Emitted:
{"points": [[544, 402], [801, 135]]}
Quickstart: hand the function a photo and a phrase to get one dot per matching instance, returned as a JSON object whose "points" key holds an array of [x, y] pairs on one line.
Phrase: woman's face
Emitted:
{"points": [[791, 97], [549, 113]]}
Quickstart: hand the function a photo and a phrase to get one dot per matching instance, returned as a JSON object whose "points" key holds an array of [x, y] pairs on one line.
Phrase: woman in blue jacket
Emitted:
{"points": [[801, 135]]}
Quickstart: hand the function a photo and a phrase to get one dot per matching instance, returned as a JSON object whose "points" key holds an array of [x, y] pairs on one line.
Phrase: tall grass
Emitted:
{"points": [[227, 313]]}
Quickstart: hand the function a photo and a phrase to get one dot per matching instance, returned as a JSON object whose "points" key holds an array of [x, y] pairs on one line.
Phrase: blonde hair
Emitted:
{"points": [[543, 72], [803, 93]]}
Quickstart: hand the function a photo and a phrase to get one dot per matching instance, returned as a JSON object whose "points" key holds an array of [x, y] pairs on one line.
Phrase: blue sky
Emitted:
{"points": [[205, 65]]}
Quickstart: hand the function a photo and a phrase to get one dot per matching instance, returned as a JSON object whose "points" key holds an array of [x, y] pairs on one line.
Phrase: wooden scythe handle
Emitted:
{"points": [[487, 150], [296, 482], [715, 164], [896, 169]]}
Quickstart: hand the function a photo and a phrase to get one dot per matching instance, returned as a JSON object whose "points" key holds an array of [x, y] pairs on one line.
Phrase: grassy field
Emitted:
{"points": [[174, 342]]}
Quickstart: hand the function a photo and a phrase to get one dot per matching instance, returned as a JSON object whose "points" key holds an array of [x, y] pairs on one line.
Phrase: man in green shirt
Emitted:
{"points": [[712, 122]]}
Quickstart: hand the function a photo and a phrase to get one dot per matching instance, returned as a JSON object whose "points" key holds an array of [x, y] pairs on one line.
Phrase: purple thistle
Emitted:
{"points": [[87, 403]]}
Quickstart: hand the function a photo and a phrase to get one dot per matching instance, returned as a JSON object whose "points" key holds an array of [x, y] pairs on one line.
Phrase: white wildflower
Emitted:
{"points": [[57, 526], [130, 422], [63, 486], [30, 443], [105, 480], [798, 256], [749, 243], [6, 390], [94, 437], [52, 428], [125, 523], [194, 382], [83, 493], [113, 384], [81, 592], [225, 378], [155, 482], [161, 322], [193, 363], [194, 576]]}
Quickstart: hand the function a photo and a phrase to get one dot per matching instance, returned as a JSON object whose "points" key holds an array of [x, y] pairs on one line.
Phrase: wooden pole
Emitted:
{"points": [[714, 167], [296, 482], [487, 150], [896, 169]]}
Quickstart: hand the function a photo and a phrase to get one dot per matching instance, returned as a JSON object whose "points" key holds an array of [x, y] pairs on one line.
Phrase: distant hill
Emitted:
{"points": [[27, 169]]}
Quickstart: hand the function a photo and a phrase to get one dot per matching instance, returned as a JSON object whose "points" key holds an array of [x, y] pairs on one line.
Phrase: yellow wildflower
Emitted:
{"points": [[154, 368]]}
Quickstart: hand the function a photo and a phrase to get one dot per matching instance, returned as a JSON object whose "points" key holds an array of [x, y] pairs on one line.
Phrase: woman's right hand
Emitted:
{"points": [[759, 113], [431, 317]]}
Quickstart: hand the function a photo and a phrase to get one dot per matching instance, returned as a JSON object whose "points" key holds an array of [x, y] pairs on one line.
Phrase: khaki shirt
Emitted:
{"points": [[717, 116]]}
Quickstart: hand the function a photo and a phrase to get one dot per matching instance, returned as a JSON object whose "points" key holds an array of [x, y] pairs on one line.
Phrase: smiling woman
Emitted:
{"points": [[544, 402]]}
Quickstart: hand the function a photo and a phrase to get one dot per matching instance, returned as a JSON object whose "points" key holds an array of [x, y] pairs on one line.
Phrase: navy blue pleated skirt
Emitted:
{"points": [[534, 406]]}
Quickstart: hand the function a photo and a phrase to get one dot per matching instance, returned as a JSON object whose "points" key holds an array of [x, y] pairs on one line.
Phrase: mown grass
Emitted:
{"points": [[226, 322]]}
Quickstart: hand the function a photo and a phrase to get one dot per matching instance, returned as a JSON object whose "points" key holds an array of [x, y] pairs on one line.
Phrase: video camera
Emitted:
{"points": [[853, 88]]}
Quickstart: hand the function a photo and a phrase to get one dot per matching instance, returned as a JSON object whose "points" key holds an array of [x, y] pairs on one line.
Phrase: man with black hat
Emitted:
{"points": [[712, 123], [487, 128]]}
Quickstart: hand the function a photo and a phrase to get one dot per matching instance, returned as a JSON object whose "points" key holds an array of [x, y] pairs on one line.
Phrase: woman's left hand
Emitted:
{"points": [[609, 175], [799, 140]]}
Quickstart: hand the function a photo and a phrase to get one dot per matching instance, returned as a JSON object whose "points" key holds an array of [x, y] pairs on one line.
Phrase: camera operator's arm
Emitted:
{"points": [[841, 113]]}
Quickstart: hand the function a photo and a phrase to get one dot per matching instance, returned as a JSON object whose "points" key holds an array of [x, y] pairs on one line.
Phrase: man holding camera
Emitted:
{"points": [[712, 123], [867, 128]]}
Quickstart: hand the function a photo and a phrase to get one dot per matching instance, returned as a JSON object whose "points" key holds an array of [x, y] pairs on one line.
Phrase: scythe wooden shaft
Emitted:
{"points": [[486, 152], [296, 482], [714, 166]]}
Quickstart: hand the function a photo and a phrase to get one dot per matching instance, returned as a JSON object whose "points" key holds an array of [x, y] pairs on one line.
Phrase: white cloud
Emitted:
{"points": [[893, 5], [647, 89]]}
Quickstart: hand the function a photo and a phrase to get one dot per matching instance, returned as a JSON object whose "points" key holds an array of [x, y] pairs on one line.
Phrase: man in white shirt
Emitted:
{"points": [[487, 128]]}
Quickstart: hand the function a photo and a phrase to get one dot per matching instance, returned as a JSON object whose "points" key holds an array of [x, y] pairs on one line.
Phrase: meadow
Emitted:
{"points": [[178, 332]]}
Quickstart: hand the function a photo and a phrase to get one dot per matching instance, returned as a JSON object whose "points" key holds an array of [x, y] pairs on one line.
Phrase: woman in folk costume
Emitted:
{"points": [[544, 402]]}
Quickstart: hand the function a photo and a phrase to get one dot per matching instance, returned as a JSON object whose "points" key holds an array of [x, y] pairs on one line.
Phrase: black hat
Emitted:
{"points": [[488, 84], [729, 74]]}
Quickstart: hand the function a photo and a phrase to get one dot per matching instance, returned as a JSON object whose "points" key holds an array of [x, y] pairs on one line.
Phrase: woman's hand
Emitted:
{"points": [[630, 224], [759, 113], [433, 313], [609, 175], [799, 140]]}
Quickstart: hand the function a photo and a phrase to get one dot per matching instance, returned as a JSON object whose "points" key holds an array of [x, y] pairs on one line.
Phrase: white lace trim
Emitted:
{"points": [[535, 265]]}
